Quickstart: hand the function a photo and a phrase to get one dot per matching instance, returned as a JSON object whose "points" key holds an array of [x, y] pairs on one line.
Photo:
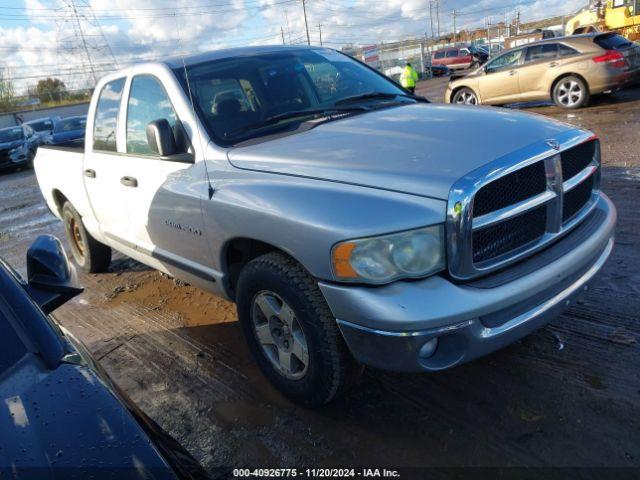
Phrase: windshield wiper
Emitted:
{"points": [[380, 96], [318, 112]]}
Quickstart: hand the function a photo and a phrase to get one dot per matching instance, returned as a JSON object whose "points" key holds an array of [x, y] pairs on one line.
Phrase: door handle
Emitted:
{"points": [[512, 73], [553, 64], [90, 173], [129, 182]]}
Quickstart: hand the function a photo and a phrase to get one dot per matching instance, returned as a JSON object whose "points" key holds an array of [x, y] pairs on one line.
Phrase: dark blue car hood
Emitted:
{"points": [[67, 424]]}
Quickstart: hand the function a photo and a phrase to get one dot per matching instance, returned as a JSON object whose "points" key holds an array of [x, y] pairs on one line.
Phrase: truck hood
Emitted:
{"points": [[420, 149]]}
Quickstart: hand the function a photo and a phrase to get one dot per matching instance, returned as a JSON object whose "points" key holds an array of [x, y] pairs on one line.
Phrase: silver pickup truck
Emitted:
{"points": [[350, 221]]}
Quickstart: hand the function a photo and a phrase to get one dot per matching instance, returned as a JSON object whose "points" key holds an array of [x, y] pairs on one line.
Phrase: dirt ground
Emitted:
{"points": [[568, 395]]}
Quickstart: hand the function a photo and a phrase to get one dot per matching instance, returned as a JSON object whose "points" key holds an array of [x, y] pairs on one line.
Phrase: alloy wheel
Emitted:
{"points": [[280, 335], [570, 93], [465, 98]]}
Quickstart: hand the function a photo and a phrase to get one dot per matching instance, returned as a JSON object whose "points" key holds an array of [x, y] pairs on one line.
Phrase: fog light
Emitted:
{"points": [[429, 348]]}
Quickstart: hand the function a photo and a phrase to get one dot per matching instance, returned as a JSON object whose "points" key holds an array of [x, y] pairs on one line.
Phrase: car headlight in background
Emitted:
{"points": [[410, 254]]}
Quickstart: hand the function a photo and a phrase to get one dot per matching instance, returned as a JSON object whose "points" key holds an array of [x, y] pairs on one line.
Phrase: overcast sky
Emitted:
{"points": [[40, 37]]}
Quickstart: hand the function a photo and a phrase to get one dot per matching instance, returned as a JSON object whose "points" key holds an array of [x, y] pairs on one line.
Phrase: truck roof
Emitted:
{"points": [[190, 60]]}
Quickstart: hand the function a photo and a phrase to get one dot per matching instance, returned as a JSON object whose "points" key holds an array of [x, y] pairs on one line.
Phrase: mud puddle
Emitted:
{"points": [[156, 291]]}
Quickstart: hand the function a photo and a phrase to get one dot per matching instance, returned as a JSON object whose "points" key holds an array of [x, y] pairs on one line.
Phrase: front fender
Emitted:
{"points": [[306, 217]]}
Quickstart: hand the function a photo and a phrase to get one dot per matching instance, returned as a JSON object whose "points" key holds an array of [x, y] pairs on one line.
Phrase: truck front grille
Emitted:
{"points": [[576, 199], [577, 159], [509, 235], [508, 216], [511, 189]]}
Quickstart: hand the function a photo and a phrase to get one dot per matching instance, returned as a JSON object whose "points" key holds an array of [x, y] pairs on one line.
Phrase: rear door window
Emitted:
{"points": [[439, 55], [546, 51], [611, 41], [105, 124]]}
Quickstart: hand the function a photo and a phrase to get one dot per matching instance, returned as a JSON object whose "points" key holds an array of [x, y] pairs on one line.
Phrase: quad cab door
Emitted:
{"points": [[163, 195], [500, 82], [103, 166]]}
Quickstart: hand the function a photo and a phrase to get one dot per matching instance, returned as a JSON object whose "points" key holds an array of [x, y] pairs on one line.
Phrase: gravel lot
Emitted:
{"points": [[568, 395]]}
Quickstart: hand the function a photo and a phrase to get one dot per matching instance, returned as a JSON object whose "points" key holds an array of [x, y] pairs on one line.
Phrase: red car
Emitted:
{"points": [[456, 58]]}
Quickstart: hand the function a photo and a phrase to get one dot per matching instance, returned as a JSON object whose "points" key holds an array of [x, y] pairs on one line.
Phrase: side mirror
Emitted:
{"points": [[160, 138], [51, 281]]}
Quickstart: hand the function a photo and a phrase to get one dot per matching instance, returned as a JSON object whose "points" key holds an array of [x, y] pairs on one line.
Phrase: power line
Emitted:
{"points": [[177, 12]]}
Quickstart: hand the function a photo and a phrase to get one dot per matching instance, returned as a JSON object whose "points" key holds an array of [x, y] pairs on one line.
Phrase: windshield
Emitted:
{"points": [[233, 94], [69, 124], [10, 134], [41, 126]]}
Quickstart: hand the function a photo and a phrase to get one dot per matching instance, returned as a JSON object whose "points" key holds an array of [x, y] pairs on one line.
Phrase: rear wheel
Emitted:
{"points": [[465, 96], [89, 254], [571, 92], [291, 332]]}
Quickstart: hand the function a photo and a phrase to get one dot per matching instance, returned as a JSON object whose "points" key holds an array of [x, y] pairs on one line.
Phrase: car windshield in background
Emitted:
{"points": [[70, 124], [232, 95], [10, 134], [41, 126]]}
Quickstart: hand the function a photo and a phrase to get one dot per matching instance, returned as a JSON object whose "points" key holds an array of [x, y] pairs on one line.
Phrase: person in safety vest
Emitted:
{"points": [[409, 78]]}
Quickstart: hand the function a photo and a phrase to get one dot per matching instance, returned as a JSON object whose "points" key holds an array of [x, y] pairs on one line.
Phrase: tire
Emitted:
{"points": [[32, 155], [90, 255], [465, 96], [571, 92], [274, 291]]}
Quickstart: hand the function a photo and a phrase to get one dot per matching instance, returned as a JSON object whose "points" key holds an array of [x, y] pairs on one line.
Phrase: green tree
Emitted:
{"points": [[51, 90], [7, 93]]}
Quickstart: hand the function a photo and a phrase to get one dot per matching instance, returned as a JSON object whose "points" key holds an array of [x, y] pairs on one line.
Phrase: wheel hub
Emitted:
{"points": [[279, 334], [76, 236]]}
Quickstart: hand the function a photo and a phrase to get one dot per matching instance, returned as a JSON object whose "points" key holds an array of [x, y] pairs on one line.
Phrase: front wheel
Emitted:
{"points": [[291, 332], [465, 96], [571, 92], [89, 254]]}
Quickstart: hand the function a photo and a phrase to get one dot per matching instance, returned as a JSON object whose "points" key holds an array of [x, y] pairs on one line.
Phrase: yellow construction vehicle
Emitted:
{"points": [[621, 16]]}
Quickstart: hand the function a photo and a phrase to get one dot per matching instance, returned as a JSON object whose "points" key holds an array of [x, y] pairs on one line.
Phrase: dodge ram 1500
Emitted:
{"points": [[347, 219]]}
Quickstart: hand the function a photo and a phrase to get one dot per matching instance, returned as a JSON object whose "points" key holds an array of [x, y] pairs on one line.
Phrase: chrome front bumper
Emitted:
{"points": [[386, 327]]}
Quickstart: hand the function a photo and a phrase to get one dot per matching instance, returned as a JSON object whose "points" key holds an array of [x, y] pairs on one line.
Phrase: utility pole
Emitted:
{"points": [[455, 32], [306, 25], [518, 22], [286, 17], [489, 34], [438, 16], [431, 17], [282, 32], [320, 31]]}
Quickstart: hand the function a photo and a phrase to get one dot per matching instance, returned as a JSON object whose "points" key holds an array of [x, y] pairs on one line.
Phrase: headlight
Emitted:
{"points": [[411, 254], [14, 150]]}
